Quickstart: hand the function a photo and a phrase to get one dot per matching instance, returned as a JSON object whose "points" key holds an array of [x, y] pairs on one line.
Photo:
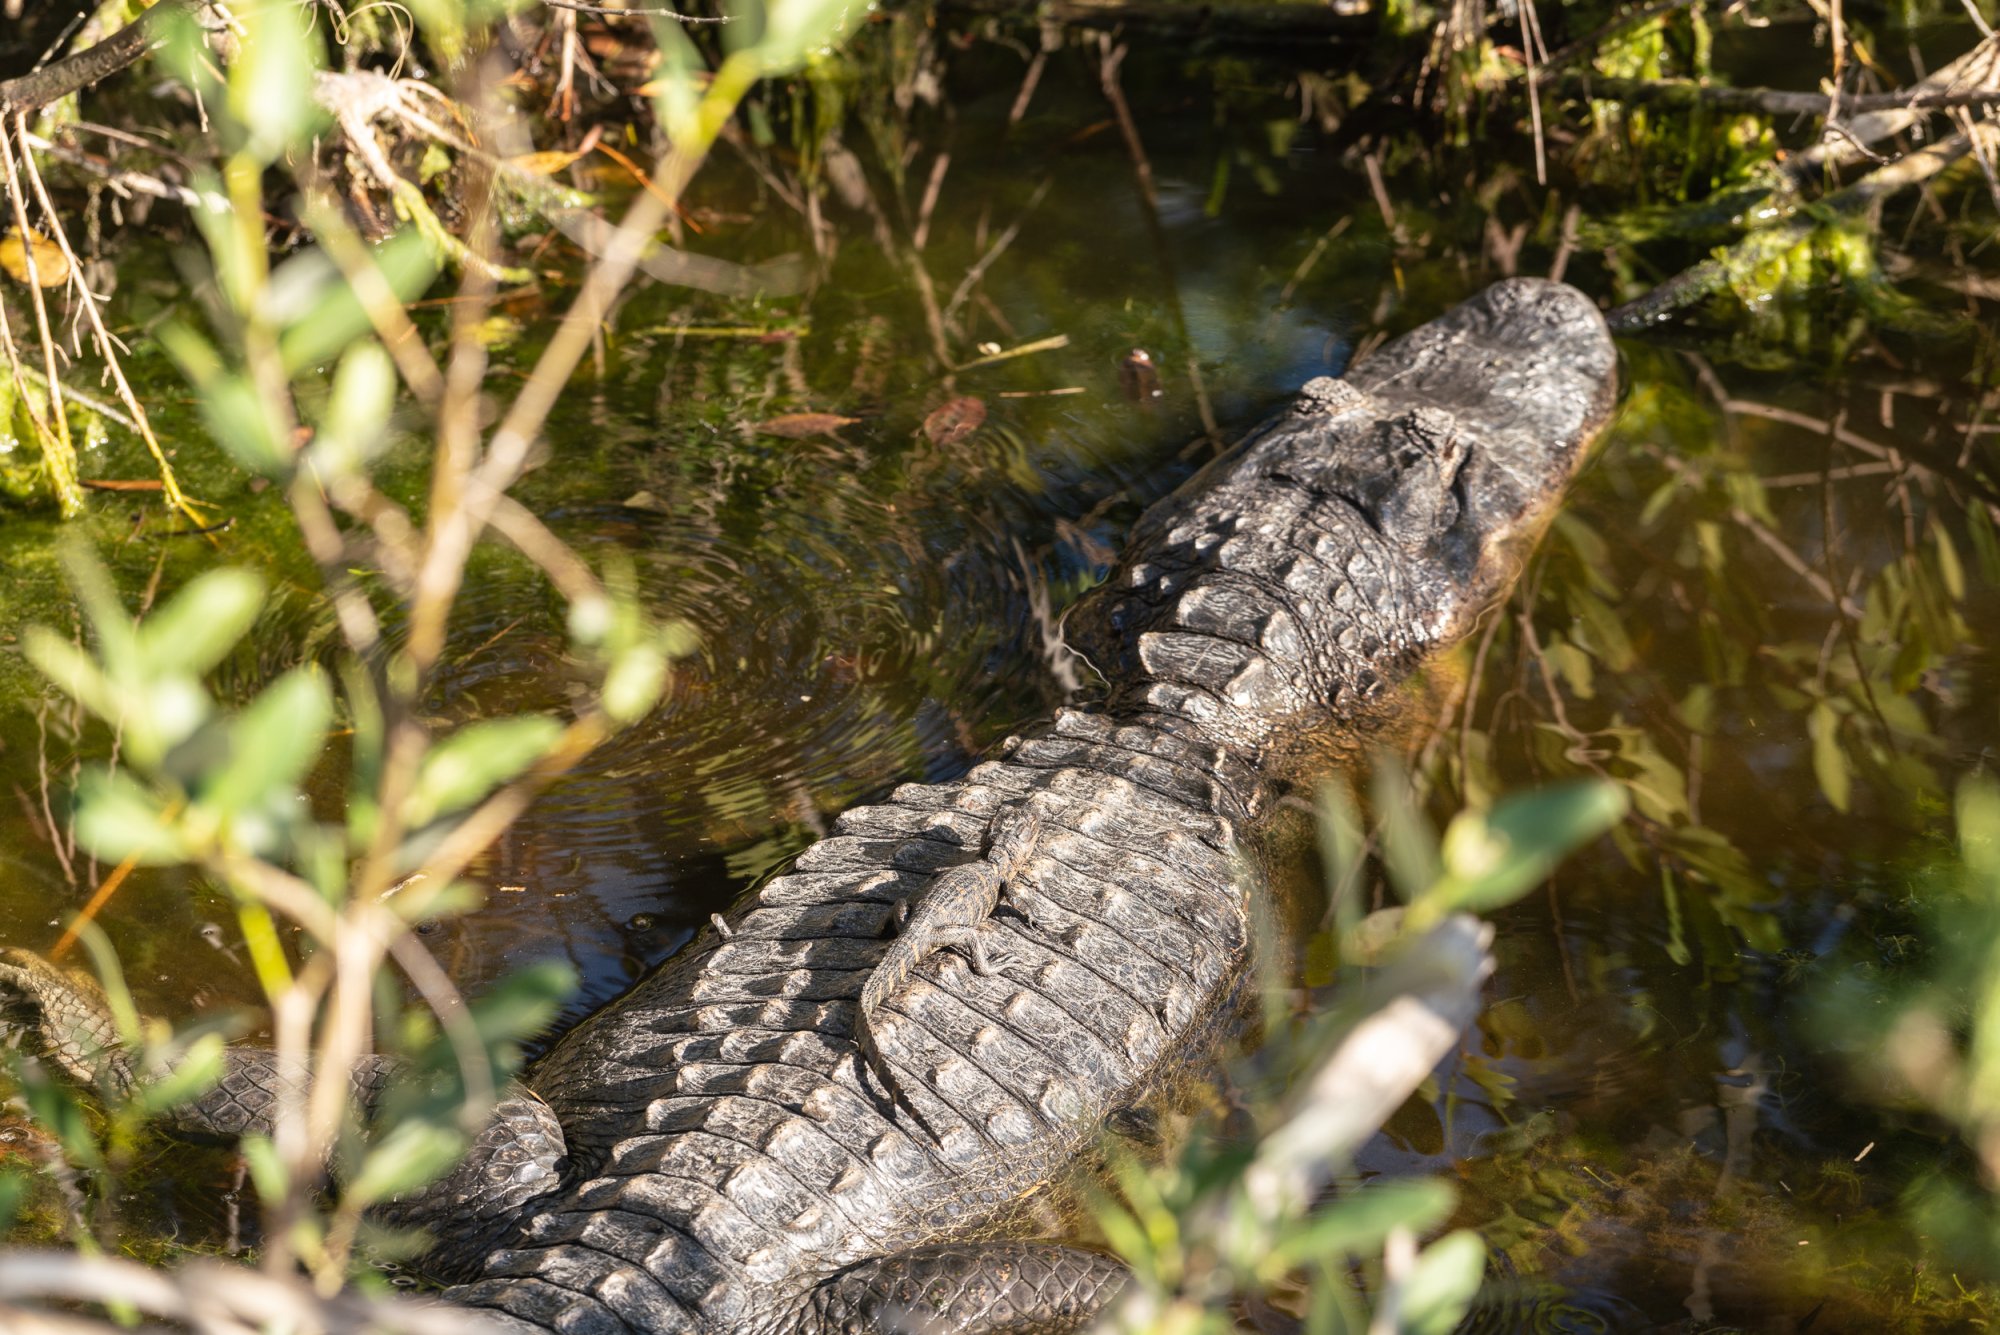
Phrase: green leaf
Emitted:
{"points": [[1409, 848], [1441, 1288], [232, 410], [790, 31], [1829, 758], [355, 426], [410, 1155], [267, 1170], [1356, 1224], [72, 670], [273, 743], [1979, 828], [335, 318], [677, 99], [525, 1003], [271, 79], [201, 623], [117, 819], [633, 685], [472, 762], [61, 1114], [1492, 858], [198, 1070], [1950, 571]]}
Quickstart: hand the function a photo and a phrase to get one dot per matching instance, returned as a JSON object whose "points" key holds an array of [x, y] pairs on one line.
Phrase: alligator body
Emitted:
{"points": [[807, 1123]]}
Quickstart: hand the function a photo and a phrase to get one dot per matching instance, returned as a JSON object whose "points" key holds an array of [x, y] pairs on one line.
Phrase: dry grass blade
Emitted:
{"points": [[106, 346]]}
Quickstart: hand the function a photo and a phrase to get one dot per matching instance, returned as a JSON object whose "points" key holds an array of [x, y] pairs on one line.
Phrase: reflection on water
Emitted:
{"points": [[1642, 1123]]}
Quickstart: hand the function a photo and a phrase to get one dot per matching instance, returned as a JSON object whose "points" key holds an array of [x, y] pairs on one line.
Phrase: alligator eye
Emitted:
{"points": [[428, 926]]}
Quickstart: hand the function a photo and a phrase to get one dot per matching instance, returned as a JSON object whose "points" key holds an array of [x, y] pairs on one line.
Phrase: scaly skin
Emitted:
{"points": [[951, 912], [713, 1152]]}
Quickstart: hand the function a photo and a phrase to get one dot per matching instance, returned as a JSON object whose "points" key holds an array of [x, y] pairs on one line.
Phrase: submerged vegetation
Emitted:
{"points": [[787, 352]]}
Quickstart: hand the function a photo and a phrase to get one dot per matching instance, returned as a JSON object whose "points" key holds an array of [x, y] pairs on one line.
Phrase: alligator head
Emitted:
{"points": [[1367, 526]]}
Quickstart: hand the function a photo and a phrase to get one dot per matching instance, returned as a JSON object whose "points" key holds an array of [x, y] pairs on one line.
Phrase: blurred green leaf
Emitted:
{"points": [[780, 35], [633, 685], [238, 417], [72, 670], [270, 95], [1441, 1288], [273, 742], [1829, 758], [198, 1070], [1492, 858], [202, 622], [409, 1155], [470, 763], [1356, 1223], [674, 92], [355, 426], [13, 1191], [525, 1002], [1409, 848], [111, 980], [335, 317], [267, 1170], [60, 1113], [119, 819]]}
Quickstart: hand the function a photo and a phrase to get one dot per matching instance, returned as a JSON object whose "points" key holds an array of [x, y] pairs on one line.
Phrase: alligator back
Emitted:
{"points": [[734, 1149]]}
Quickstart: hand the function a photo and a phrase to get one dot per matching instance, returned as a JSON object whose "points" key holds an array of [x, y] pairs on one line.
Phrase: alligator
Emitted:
{"points": [[807, 1122]]}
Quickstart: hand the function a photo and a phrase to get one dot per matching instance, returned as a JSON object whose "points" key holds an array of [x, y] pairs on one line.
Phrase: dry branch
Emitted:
{"points": [[35, 90]]}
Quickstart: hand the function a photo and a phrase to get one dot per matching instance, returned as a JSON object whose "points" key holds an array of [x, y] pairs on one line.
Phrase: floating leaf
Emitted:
{"points": [[798, 426], [954, 420], [546, 163], [51, 265]]}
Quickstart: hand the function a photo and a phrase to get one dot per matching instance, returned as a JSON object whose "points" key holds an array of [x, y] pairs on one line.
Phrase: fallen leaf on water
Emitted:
{"points": [[51, 265], [954, 420], [646, 500], [797, 426], [546, 163]]}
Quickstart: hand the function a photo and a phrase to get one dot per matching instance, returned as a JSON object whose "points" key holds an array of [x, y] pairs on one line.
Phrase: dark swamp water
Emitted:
{"points": [[1764, 611]]}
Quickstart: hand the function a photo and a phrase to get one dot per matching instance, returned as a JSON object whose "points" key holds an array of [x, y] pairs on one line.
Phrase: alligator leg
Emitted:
{"points": [[968, 1288]]}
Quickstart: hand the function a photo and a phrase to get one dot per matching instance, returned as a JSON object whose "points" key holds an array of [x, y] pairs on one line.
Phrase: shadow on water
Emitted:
{"points": [[1770, 633]]}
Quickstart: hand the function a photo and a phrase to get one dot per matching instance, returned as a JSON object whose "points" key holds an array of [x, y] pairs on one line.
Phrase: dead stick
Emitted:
{"points": [[31, 92]]}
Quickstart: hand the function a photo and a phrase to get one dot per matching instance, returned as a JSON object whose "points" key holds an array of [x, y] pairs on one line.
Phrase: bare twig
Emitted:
{"points": [[994, 252]]}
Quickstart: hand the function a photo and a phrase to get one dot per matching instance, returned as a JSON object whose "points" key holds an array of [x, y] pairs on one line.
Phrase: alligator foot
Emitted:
{"points": [[997, 1288]]}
